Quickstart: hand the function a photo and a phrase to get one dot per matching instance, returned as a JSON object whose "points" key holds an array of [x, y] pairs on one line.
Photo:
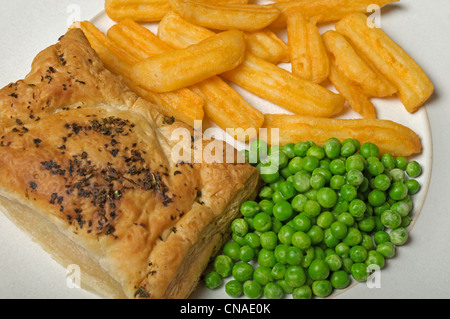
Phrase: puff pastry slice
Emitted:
{"points": [[87, 171]]}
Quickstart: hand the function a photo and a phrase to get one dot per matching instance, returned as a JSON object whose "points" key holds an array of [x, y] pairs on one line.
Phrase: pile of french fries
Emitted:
{"points": [[203, 46]]}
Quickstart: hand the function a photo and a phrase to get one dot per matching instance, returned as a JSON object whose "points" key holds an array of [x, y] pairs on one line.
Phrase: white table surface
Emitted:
{"points": [[420, 268]]}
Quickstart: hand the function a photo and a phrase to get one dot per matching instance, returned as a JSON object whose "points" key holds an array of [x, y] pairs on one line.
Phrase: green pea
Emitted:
{"points": [[234, 288], [391, 219], [285, 234], [268, 240], [316, 234], [388, 161], [325, 219], [312, 208], [375, 258], [301, 240], [328, 239], [354, 177], [303, 292], [377, 197], [382, 182], [337, 181], [242, 271], [268, 173], [375, 168], [326, 197], [282, 210], [358, 253], [340, 279], [398, 191], [357, 208], [398, 236], [295, 165], [294, 256], [334, 262], [298, 202], [354, 162], [353, 237], [316, 151], [286, 288], [223, 265], [346, 218], [280, 253], [288, 149], [301, 148], [239, 226], [339, 229], [387, 249], [301, 222], [397, 175], [263, 275], [295, 276], [369, 150], [401, 162], [278, 271], [381, 237], [246, 253], [213, 280], [317, 181], [301, 182], [232, 249], [342, 250], [348, 192], [332, 148], [318, 270], [262, 222], [252, 289], [322, 288], [252, 240], [286, 190], [359, 272], [402, 208], [367, 224], [266, 258], [413, 186], [347, 149], [273, 291], [249, 208], [367, 241], [310, 163]]}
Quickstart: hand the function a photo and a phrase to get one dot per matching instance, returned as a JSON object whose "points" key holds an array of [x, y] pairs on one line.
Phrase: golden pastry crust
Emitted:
{"points": [[86, 156]]}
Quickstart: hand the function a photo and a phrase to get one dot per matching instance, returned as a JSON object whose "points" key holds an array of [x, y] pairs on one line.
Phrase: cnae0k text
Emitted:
{"points": [[227, 308]]}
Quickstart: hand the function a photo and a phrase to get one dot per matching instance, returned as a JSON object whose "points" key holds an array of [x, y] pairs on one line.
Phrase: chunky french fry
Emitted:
{"points": [[357, 100], [223, 104], [349, 63], [179, 33], [324, 10], [247, 17], [309, 59], [268, 46], [263, 78], [281, 87], [137, 40], [414, 87], [224, 1], [182, 104], [185, 67], [137, 10], [389, 136], [229, 110]]}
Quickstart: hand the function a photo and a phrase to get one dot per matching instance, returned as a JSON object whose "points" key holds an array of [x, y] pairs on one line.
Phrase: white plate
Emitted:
{"points": [[390, 109], [387, 108]]}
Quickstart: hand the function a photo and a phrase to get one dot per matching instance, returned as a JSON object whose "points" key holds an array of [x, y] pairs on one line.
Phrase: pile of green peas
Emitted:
{"points": [[326, 214]]}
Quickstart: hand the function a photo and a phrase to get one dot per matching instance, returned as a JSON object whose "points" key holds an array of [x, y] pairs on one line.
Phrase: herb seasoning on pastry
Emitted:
{"points": [[87, 171]]}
